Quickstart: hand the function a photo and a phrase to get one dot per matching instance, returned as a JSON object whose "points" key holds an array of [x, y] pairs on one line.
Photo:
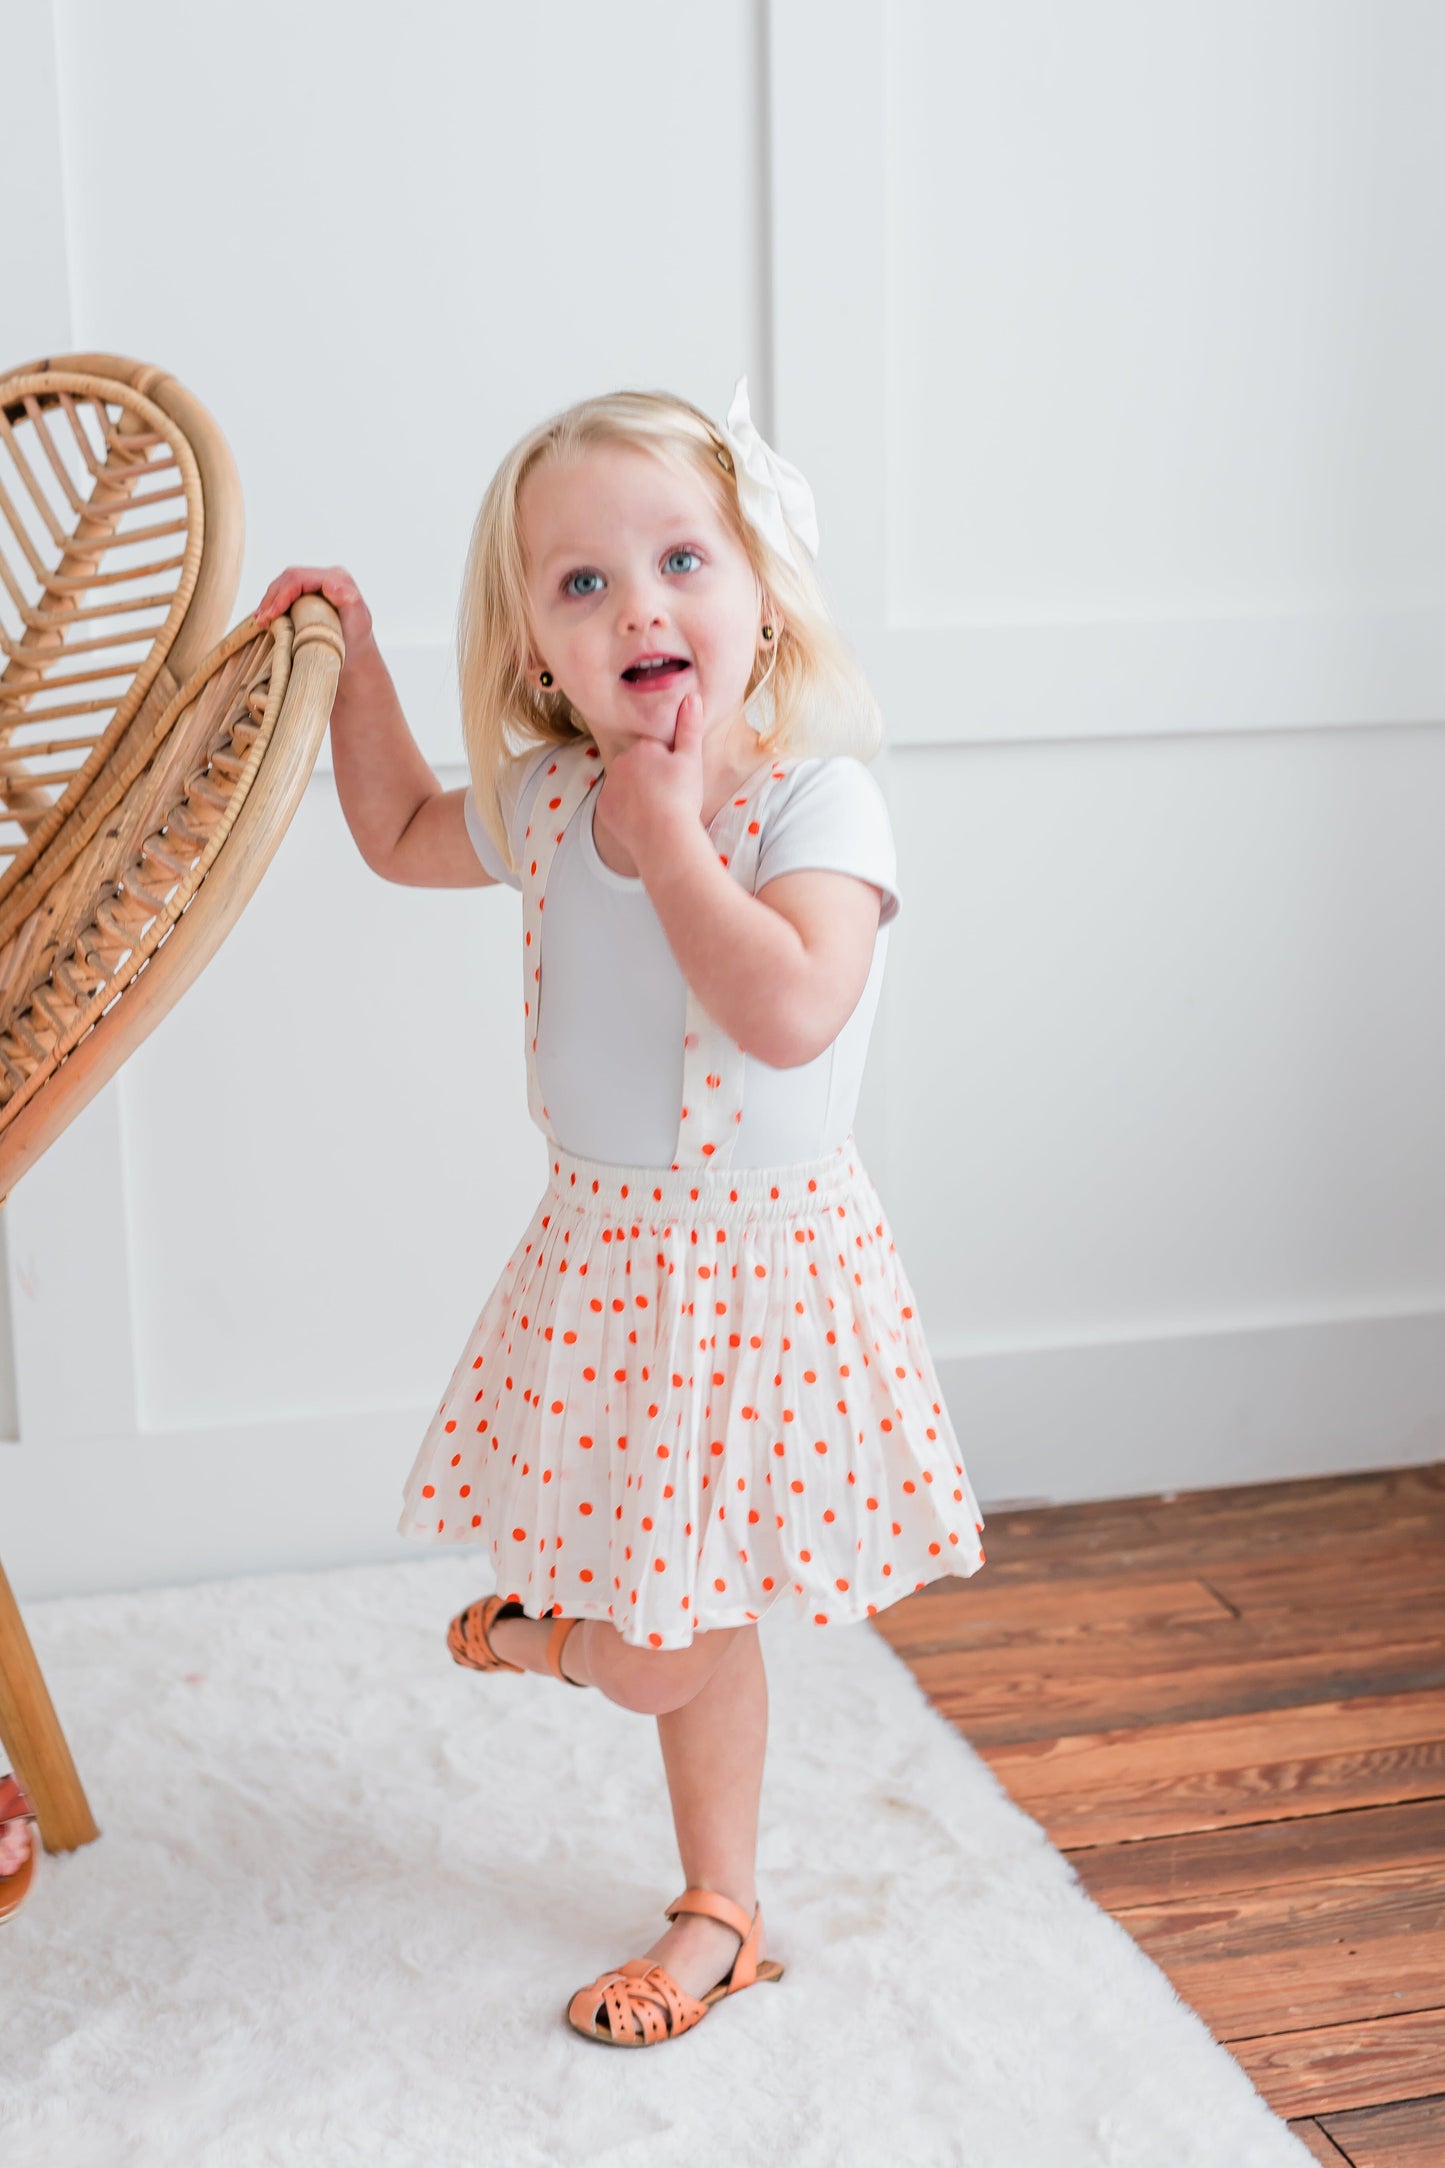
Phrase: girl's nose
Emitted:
{"points": [[640, 607]]}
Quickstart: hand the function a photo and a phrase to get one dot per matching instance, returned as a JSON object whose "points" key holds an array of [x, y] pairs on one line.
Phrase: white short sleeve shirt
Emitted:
{"points": [[609, 1048]]}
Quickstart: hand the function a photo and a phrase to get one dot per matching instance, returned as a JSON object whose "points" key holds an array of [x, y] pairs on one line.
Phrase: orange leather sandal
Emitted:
{"points": [[641, 2005], [469, 1645], [15, 1807]]}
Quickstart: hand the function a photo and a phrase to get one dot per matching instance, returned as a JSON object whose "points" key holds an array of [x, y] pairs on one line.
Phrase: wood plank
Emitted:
{"points": [[1330, 1512], [1395, 1587], [1184, 1671], [1327, 2069], [1273, 1923], [1227, 1743], [1371, 1981], [1183, 1561], [1318, 2143], [1187, 1550], [1201, 1632], [1379, 1494], [975, 1615], [1033, 1553], [1107, 1787], [1137, 1807], [1407, 2134], [1312, 1953], [1261, 1855], [1387, 1493], [1413, 1575]]}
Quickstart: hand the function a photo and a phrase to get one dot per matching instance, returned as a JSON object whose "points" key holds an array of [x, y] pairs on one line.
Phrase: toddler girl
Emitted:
{"points": [[701, 1383]]}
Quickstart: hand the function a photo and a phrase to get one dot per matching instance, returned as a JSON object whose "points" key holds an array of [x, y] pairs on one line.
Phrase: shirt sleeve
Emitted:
{"points": [[518, 779], [833, 819]]}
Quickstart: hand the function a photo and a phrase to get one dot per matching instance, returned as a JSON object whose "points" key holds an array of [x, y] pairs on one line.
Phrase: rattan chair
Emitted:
{"points": [[147, 775]]}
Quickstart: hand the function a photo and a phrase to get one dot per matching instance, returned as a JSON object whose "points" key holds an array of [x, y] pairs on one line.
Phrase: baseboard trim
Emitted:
{"points": [[1199, 1410]]}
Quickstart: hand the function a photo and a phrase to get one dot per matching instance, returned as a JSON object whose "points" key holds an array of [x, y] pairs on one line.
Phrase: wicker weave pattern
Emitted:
{"points": [[125, 890], [101, 534]]}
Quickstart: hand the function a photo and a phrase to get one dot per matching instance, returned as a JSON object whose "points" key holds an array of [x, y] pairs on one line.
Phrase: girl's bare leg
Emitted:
{"points": [[713, 1749], [711, 1705]]}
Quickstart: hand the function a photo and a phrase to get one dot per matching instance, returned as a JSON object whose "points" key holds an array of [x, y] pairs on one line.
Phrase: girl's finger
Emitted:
{"points": [[278, 596], [284, 589], [686, 731]]}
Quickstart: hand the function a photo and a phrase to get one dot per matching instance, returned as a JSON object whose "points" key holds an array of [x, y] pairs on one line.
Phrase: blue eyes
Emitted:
{"points": [[583, 584]]}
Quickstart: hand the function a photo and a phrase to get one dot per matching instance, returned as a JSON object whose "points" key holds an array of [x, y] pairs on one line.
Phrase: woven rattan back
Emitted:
{"points": [[147, 898], [120, 550]]}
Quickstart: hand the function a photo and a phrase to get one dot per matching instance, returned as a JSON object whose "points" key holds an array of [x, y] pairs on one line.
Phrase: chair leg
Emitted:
{"points": [[34, 1740]]}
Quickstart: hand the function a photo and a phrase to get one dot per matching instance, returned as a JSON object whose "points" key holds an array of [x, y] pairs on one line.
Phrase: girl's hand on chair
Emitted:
{"points": [[334, 582], [654, 789]]}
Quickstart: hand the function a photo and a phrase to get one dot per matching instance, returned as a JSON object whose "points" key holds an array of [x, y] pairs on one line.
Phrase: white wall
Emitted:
{"points": [[1103, 338]]}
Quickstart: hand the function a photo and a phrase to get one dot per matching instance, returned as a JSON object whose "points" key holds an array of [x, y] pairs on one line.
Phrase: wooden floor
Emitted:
{"points": [[1228, 1709]]}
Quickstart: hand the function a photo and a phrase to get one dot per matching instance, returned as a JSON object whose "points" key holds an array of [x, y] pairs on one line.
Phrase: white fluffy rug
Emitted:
{"points": [[345, 1890]]}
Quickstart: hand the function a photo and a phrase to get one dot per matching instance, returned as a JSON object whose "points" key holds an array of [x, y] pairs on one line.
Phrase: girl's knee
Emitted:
{"points": [[653, 1682]]}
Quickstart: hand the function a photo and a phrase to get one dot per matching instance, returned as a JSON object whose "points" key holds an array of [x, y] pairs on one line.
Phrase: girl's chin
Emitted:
{"points": [[658, 722]]}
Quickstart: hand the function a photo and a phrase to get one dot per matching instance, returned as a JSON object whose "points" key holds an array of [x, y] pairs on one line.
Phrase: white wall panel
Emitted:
{"points": [[346, 1084], [35, 310], [1160, 1009], [1159, 343], [68, 1264], [1119, 449]]}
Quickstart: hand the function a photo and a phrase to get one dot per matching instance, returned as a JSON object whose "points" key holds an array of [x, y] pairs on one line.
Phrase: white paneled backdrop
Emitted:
{"points": [[1112, 341]]}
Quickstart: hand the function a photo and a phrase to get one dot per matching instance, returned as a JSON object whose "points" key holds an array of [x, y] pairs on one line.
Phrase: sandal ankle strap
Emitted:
{"points": [[715, 1907], [561, 1627]]}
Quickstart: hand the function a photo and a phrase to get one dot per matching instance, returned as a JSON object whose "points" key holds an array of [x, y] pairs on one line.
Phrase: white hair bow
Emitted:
{"points": [[773, 495]]}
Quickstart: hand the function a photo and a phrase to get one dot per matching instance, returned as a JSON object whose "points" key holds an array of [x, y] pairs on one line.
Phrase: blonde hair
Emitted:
{"points": [[812, 692]]}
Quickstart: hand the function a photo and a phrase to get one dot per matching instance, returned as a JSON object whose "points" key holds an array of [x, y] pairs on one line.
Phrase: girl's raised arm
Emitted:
{"points": [[406, 826]]}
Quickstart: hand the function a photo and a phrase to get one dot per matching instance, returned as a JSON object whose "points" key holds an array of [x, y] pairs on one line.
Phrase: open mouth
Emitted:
{"points": [[655, 670]]}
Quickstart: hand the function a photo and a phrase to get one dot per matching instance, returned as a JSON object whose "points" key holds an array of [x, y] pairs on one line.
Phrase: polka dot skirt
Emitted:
{"points": [[695, 1390], [693, 1393]]}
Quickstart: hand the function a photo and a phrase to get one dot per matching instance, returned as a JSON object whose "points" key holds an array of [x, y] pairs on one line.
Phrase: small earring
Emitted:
{"points": [[546, 677], [767, 632]]}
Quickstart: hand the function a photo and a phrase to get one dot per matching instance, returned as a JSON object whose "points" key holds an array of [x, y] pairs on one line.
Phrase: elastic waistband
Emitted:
{"points": [[613, 1191]]}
